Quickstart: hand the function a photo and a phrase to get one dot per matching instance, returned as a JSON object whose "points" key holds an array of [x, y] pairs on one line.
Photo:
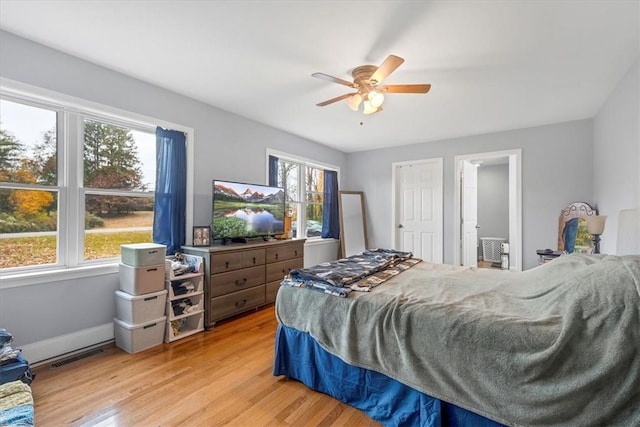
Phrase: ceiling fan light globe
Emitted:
{"points": [[376, 98], [354, 102], [368, 108]]}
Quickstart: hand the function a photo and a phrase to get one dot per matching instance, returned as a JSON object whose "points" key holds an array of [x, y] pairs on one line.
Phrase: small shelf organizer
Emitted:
{"points": [[185, 299]]}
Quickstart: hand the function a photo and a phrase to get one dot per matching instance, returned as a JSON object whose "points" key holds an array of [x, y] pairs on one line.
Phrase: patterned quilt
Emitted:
{"points": [[360, 272]]}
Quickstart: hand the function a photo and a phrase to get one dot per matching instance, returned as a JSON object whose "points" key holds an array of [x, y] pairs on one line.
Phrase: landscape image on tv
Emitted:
{"points": [[246, 210]]}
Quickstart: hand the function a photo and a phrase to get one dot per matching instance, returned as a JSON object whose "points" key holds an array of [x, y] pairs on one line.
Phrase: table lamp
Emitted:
{"points": [[595, 227]]}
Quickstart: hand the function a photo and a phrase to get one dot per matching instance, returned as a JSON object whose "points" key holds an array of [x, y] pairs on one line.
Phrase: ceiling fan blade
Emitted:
{"points": [[336, 99], [333, 79], [387, 67], [407, 88]]}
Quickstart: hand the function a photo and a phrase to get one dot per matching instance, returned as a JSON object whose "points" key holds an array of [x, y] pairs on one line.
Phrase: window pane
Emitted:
{"points": [[28, 139], [111, 221], [118, 158], [292, 209], [315, 197], [288, 178], [314, 220], [314, 180], [28, 227]]}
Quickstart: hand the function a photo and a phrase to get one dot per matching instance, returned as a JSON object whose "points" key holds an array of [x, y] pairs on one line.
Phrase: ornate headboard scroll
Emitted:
{"points": [[579, 210]]}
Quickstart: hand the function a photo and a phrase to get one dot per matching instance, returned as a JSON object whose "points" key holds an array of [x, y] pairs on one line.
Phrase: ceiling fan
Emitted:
{"points": [[367, 81]]}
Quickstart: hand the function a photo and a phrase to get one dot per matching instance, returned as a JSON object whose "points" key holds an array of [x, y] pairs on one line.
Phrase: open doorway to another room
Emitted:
{"points": [[488, 210], [493, 210]]}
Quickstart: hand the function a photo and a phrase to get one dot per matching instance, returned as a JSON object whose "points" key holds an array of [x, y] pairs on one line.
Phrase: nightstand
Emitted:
{"points": [[544, 256]]}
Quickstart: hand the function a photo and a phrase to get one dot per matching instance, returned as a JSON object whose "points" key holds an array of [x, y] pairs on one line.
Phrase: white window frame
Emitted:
{"points": [[302, 197], [71, 111]]}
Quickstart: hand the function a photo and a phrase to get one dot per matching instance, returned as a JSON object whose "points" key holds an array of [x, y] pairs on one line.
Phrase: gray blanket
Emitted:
{"points": [[557, 345]]}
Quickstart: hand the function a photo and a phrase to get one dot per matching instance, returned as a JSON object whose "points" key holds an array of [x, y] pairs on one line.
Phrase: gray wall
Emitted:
{"points": [[227, 147], [557, 170], [556, 162], [493, 202], [616, 161]]}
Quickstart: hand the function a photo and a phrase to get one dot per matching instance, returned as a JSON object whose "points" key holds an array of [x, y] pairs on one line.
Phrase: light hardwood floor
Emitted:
{"points": [[215, 378]]}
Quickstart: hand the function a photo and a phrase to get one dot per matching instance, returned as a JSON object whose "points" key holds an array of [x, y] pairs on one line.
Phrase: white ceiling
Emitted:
{"points": [[493, 65]]}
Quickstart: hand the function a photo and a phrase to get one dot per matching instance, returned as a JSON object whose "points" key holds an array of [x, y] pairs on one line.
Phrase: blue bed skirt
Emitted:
{"points": [[385, 400]]}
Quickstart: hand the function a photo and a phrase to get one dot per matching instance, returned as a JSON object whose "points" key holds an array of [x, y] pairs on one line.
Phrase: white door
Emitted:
{"points": [[469, 214], [418, 209]]}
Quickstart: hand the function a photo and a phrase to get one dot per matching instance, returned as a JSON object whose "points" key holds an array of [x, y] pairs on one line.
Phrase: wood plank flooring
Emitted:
{"points": [[215, 378]]}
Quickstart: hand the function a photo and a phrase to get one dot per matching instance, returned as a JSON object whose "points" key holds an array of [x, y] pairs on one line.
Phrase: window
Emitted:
{"points": [[119, 180], [304, 186], [74, 184]]}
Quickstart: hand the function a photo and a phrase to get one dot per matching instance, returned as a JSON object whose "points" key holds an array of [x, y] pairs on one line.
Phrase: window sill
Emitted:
{"points": [[312, 241], [55, 275]]}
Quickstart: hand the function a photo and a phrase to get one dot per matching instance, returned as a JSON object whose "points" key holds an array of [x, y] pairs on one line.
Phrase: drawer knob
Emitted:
{"points": [[241, 303], [276, 255], [226, 264], [240, 282], [296, 252], [254, 260]]}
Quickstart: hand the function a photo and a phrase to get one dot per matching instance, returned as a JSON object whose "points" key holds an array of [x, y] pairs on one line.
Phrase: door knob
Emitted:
{"points": [[477, 226], [400, 226]]}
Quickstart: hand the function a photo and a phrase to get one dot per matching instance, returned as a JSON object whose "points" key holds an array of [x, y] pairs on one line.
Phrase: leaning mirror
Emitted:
{"points": [[353, 226], [572, 230]]}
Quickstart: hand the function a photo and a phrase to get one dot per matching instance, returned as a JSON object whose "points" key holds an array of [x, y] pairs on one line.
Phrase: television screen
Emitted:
{"points": [[243, 210]]}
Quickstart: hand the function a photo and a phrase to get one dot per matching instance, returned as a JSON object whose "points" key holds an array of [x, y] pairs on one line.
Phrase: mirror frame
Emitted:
{"points": [[352, 233], [581, 210]]}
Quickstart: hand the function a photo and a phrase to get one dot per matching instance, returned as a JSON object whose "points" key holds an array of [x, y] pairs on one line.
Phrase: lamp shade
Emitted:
{"points": [[354, 101], [595, 224], [368, 108], [376, 98]]}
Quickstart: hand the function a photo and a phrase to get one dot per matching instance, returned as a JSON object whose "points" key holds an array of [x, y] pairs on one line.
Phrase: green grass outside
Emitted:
{"points": [[27, 251]]}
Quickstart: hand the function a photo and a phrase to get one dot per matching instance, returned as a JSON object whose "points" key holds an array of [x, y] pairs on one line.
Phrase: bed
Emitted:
{"points": [[437, 344]]}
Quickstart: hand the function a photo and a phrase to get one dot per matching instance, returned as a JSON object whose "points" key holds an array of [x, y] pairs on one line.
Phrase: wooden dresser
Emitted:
{"points": [[242, 276]]}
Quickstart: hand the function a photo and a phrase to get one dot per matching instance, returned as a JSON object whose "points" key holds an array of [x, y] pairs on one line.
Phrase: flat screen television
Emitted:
{"points": [[244, 211]]}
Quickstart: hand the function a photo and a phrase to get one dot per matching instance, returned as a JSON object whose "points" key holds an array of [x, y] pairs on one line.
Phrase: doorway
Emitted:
{"points": [[417, 205], [466, 202]]}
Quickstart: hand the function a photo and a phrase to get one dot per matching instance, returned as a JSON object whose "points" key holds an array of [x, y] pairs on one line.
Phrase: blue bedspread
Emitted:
{"points": [[385, 400]]}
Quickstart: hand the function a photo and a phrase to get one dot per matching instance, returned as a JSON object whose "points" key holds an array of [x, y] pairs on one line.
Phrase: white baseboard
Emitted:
{"points": [[68, 343]]}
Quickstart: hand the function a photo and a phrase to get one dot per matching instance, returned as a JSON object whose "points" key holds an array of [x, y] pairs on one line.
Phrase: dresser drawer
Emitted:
{"points": [[278, 270], [253, 258], [226, 262], [237, 302], [224, 283], [285, 252]]}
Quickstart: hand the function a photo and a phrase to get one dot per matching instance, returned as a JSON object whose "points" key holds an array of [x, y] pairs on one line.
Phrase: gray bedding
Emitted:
{"points": [[555, 345]]}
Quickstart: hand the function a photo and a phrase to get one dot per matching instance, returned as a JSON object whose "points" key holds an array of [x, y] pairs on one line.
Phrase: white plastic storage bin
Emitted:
{"points": [[138, 337], [142, 308], [141, 280], [185, 287], [180, 307], [184, 327], [196, 262], [491, 248], [142, 254]]}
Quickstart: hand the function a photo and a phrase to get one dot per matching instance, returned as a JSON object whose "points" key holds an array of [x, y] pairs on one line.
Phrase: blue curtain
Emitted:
{"points": [[273, 171], [330, 219], [169, 219]]}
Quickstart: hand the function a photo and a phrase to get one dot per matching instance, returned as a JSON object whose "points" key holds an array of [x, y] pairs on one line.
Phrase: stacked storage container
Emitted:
{"points": [[140, 302]]}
